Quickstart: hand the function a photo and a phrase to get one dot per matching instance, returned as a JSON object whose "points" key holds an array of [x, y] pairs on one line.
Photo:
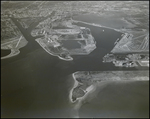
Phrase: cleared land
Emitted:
{"points": [[64, 42]]}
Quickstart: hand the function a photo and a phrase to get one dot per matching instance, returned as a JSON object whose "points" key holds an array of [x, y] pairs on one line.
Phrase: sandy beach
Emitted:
{"points": [[75, 85]]}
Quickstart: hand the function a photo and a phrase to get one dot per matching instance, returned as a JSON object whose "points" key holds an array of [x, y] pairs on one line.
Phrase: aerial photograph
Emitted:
{"points": [[75, 59]]}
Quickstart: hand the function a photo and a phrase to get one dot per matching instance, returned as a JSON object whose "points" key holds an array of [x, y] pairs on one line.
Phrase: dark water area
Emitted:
{"points": [[103, 40], [36, 84], [104, 44], [5, 52], [118, 99]]}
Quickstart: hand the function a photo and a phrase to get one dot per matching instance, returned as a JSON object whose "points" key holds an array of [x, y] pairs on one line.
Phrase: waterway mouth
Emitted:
{"points": [[5, 52]]}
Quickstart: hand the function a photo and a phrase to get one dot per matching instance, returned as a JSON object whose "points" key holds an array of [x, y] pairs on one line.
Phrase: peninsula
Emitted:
{"points": [[86, 81], [63, 39]]}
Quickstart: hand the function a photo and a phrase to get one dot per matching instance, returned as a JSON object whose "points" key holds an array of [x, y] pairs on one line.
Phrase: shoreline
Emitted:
{"points": [[119, 77], [38, 40], [71, 53], [92, 88], [75, 85], [88, 90], [97, 25], [14, 49], [12, 54]]}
